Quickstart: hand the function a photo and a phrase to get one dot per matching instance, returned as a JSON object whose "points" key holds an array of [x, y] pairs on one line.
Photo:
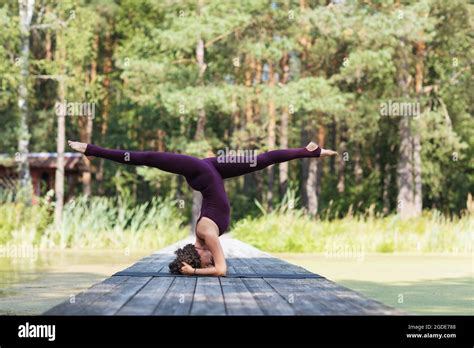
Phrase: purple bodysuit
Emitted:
{"points": [[204, 175]]}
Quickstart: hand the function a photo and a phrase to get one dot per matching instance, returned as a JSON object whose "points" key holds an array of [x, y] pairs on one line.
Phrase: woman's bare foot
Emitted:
{"points": [[327, 153], [79, 147], [312, 146]]}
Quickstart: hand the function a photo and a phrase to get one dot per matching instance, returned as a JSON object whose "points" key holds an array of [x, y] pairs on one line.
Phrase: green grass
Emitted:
{"points": [[116, 223], [95, 222], [293, 231]]}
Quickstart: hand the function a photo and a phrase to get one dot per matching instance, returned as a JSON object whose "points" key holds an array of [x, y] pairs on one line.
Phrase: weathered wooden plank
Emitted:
{"points": [[320, 297], [179, 297], [76, 304], [111, 302], [275, 265], [148, 298], [269, 301], [265, 265], [239, 266], [230, 269], [238, 300], [208, 298], [303, 298], [166, 269]]}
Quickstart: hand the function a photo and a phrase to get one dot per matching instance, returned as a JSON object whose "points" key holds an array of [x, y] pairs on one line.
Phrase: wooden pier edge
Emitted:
{"points": [[271, 287]]}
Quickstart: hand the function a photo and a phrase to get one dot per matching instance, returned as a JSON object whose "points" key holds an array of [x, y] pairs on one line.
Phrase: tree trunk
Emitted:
{"points": [[405, 171], [405, 178], [357, 165], [251, 71], [310, 166], [237, 123], [285, 116], [333, 142], [249, 184], [109, 45], [283, 167], [87, 125], [60, 142], [309, 173], [418, 197], [250, 67], [59, 177], [26, 8], [341, 169], [271, 136], [256, 177], [48, 46], [322, 142], [404, 166], [311, 187], [201, 122], [258, 80], [386, 185]]}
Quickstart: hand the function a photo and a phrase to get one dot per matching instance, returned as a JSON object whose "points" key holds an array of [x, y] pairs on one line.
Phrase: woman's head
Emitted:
{"points": [[195, 257], [205, 256]]}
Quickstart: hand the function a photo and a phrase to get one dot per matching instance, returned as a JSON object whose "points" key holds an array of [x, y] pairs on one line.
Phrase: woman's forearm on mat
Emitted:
{"points": [[211, 271]]}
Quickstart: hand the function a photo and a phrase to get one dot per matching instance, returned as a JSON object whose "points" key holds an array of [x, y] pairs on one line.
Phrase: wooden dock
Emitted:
{"points": [[256, 284]]}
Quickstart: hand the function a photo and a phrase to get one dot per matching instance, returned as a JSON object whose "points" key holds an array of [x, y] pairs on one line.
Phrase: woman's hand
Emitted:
{"points": [[187, 269]]}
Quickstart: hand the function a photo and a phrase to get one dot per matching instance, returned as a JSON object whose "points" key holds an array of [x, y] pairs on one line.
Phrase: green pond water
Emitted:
{"points": [[428, 284], [33, 284], [419, 284]]}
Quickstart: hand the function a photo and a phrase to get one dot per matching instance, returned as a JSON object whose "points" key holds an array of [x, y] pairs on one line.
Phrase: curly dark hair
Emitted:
{"points": [[188, 254]]}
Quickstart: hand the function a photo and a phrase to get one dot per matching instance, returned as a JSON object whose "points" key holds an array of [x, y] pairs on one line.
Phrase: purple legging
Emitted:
{"points": [[204, 175]]}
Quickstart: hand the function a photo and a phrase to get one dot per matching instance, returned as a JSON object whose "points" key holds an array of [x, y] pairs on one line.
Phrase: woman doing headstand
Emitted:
{"points": [[205, 256]]}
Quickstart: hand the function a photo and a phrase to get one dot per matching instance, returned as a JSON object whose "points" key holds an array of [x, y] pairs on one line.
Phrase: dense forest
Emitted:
{"points": [[388, 84]]}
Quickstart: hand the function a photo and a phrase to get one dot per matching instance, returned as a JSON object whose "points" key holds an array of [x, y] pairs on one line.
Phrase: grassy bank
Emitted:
{"points": [[293, 231], [117, 223], [92, 223]]}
